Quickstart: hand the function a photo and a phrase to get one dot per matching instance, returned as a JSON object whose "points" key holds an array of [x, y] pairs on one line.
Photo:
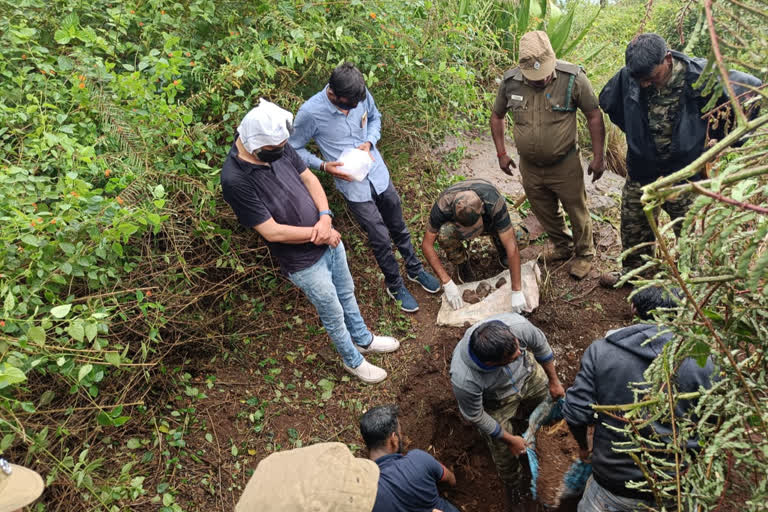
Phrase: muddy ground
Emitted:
{"points": [[287, 388]]}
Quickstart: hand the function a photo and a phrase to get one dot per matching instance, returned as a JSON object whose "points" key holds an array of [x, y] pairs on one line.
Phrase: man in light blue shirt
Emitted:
{"points": [[343, 115]]}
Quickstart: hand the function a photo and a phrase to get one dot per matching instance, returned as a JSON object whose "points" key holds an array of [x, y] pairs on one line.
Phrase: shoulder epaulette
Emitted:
{"points": [[514, 73], [567, 67]]}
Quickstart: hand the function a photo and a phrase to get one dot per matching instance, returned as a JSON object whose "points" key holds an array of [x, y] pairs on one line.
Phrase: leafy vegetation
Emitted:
{"points": [[720, 264]]}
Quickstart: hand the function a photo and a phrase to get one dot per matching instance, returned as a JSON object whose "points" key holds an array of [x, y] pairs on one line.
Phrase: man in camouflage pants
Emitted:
{"points": [[466, 210], [653, 101]]}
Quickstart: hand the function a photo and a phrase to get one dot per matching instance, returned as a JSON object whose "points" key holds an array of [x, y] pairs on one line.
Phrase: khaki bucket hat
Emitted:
{"points": [[324, 477], [19, 486], [537, 58]]}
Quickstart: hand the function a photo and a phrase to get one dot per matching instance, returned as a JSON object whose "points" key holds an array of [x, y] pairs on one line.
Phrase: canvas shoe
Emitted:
{"points": [[381, 345], [427, 281], [367, 372], [407, 302]]}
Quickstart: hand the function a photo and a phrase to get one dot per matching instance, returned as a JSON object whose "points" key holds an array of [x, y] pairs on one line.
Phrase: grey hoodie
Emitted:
{"points": [[607, 368], [473, 382]]}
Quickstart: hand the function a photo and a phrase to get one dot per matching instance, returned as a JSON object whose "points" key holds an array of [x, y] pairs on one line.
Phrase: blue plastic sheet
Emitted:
{"points": [[546, 412]]}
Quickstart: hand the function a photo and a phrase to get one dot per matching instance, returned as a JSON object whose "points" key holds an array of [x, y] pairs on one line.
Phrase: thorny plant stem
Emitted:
{"points": [[649, 209], [728, 200], [644, 403], [693, 168], [721, 66], [670, 397]]}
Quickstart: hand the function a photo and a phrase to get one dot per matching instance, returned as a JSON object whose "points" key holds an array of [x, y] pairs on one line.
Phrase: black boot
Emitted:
{"points": [[464, 273]]}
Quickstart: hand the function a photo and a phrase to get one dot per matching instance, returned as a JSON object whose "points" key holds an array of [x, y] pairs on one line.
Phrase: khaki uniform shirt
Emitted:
{"points": [[545, 119]]}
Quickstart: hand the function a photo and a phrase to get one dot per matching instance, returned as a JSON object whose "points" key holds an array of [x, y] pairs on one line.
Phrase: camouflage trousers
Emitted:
{"points": [[634, 225], [512, 413], [456, 249]]}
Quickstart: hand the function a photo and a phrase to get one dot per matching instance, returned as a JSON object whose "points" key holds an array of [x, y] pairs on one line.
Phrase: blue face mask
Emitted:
{"points": [[270, 155]]}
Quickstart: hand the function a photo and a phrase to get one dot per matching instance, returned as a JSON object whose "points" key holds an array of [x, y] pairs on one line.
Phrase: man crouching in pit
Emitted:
{"points": [[501, 370]]}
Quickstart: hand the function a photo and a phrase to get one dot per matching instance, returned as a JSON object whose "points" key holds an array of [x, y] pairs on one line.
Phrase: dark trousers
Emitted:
{"points": [[382, 220]]}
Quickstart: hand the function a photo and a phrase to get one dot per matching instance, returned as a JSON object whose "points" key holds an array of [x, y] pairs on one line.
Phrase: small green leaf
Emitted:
{"points": [[208, 437], [10, 375], [28, 407], [62, 36], [76, 330], [61, 311], [112, 358], [91, 329], [133, 443], [84, 371], [36, 334]]}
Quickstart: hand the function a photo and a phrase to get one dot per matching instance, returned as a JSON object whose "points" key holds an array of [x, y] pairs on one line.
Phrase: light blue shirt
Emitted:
{"points": [[334, 132]]}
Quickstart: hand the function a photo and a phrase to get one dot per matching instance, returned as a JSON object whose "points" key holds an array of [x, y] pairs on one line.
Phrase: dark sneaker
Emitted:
{"points": [[427, 281], [407, 302], [464, 273], [609, 279]]}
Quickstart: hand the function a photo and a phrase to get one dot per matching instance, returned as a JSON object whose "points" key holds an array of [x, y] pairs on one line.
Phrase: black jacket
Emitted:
{"points": [[627, 106], [607, 367]]}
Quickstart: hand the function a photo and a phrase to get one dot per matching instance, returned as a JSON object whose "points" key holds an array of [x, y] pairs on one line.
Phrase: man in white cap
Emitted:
{"points": [[324, 477], [19, 486], [272, 191], [542, 94]]}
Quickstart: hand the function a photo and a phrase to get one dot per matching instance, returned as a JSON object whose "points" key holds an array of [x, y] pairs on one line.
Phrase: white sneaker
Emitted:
{"points": [[368, 373], [381, 345]]}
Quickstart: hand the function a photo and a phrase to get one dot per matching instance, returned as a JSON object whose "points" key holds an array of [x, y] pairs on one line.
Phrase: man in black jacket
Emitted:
{"points": [[653, 101], [608, 366]]}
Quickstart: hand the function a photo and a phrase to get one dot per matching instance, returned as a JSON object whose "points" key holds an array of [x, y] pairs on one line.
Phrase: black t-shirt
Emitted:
{"points": [[259, 192]]}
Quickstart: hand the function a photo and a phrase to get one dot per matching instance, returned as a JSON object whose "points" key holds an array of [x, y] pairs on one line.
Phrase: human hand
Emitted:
{"points": [[332, 168], [556, 389], [366, 146], [517, 301], [452, 295], [596, 168], [334, 238], [515, 444], [321, 231], [505, 161]]}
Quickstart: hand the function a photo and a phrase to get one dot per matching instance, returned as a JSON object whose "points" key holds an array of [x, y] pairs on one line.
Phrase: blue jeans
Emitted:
{"points": [[599, 499], [329, 287]]}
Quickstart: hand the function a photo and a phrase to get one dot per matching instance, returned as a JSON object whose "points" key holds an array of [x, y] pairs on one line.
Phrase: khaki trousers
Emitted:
{"points": [[561, 183]]}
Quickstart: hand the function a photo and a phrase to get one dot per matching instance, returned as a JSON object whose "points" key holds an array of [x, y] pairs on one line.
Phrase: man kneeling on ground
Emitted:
{"points": [[273, 192], [407, 483], [466, 210], [501, 370]]}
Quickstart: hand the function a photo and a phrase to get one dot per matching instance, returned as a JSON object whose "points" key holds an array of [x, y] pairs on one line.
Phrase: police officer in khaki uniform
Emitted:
{"points": [[543, 94]]}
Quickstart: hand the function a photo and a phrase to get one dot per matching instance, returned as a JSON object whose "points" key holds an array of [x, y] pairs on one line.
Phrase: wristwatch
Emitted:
{"points": [[325, 212]]}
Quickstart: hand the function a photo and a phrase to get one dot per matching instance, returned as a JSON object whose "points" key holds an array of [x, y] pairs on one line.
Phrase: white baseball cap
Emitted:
{"points": [[265, 125]]}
